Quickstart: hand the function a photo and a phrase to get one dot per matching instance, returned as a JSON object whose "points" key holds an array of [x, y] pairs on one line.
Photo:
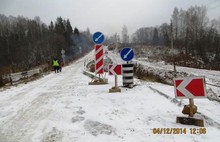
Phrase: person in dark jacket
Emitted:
{"points": [[61, 64]]}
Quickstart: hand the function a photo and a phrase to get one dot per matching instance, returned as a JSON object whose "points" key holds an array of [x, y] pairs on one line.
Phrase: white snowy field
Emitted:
{"points": [[64, 108], [212, 77]]}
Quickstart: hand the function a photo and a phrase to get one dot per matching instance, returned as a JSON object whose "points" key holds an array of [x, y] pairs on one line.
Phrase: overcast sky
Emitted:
{"points": [[107, 16]]}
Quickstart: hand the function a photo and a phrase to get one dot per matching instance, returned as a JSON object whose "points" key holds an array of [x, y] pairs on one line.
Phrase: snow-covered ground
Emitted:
{"points": [[64, 108], [212, 77]]}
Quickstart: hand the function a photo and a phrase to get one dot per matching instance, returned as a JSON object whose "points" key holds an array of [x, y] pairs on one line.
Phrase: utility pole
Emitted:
{"points": [[171, 32]]}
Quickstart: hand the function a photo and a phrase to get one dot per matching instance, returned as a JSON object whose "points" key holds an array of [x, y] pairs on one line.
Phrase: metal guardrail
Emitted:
{"points": [[14, 77], [90, 63], [213, 85], [91, 75], [24, 74]]}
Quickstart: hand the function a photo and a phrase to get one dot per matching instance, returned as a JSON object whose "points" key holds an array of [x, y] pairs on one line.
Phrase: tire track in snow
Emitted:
{"points": [[31, 111], [25, 121]]}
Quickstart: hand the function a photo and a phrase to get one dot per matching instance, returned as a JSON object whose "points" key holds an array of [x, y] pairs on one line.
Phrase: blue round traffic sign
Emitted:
{"points": [[98, 37], [127, 54]]}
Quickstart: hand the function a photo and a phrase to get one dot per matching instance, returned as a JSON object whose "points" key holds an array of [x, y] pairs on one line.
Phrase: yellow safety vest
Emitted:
{"points": [[55, 63]]}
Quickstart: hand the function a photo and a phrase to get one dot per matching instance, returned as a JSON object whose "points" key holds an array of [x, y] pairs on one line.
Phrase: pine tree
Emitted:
{"points": [[76, 31], [59, 26], [155, 40], [69, 28], [51, 26]]}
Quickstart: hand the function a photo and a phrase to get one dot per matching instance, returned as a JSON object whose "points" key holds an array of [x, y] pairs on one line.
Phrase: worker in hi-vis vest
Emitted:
{"points": [[56, 65]]}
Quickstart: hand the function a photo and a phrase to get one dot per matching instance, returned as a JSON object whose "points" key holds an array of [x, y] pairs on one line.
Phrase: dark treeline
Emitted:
{"points": [[193, 34], [24, 43]]}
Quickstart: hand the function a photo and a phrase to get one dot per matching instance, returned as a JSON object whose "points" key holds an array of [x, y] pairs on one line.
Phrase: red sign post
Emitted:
{"points": [[99, 63]]}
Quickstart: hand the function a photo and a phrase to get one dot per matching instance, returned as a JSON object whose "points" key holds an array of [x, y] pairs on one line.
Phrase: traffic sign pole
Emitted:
{"points": [[191, 104], [127, 54], [99, 59], [115, 88], [116, 81], [63, 55], [98, 39]]}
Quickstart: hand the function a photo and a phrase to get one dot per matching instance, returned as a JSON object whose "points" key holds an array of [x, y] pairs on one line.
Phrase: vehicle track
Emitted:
{"points": [[21, 124]]}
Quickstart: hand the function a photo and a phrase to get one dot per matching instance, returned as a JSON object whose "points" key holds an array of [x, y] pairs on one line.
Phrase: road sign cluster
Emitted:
{"points": [[127, 54], [98, 38], [188, 87]]}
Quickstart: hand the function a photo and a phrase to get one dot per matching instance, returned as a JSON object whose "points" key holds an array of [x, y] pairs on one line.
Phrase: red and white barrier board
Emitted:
{"points": [[115, 69], [190, 87]]}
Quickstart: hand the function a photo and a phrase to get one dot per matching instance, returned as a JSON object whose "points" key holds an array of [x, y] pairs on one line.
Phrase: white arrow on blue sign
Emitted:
{"points": [[127, 54], [98, 38]]}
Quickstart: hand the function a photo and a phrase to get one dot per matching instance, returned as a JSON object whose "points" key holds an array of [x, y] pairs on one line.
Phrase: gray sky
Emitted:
{"points": [[107, 16]]}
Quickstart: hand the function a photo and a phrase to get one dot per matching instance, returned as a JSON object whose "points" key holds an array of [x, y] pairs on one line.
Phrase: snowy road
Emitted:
{"points": [[64, 108]]}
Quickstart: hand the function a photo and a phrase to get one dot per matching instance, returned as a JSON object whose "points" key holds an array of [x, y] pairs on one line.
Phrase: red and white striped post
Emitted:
{"points": [[99, 62]]}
